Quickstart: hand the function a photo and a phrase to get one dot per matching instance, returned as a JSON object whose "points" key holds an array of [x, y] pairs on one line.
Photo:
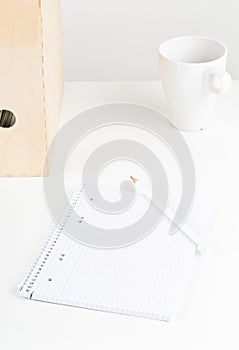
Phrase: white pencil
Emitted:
{"points": [[188, 231]]}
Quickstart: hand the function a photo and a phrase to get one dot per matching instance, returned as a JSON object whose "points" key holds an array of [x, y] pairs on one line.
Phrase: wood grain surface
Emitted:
{"points": [[31, 82]]}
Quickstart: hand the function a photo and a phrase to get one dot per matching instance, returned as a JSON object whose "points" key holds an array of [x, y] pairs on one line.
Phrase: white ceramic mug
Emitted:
{"points": [[192, 70]]}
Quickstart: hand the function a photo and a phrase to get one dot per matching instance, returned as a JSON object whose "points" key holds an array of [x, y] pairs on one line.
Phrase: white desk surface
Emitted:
{"points": [[209, 315]]}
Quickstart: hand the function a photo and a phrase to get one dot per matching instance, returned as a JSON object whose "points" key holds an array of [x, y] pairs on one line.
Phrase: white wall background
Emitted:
{"points": [[118, 39]]}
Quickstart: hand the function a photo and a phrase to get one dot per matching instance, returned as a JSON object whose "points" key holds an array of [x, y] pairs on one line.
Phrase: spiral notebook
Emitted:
{"points": [[145, 279]]}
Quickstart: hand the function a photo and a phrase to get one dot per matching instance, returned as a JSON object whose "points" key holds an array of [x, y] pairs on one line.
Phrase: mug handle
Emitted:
{"points": [[223, 77]]}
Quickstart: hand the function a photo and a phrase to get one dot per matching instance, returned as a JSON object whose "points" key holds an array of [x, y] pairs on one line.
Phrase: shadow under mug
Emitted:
{"points": [[192, 71]]}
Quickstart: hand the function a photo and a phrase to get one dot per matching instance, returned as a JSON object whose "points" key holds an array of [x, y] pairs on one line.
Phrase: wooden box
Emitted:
{"points": [[31, 83]]}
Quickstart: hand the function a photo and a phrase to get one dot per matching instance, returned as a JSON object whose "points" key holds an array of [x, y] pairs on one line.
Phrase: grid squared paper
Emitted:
{"points": [[144, 279]]}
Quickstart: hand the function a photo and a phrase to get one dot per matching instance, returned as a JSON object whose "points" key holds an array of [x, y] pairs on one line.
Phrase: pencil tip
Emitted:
{"points": [[133, 179]]}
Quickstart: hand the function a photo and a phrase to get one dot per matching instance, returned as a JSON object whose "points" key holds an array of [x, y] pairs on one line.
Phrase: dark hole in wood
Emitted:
{"points": [[7, 119]]}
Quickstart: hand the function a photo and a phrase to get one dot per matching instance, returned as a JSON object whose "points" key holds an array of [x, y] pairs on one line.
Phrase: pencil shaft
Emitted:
{"points": [[188, 231]]}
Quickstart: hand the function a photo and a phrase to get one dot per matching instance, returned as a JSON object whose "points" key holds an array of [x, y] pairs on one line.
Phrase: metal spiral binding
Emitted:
{"points": [[26, 287]]}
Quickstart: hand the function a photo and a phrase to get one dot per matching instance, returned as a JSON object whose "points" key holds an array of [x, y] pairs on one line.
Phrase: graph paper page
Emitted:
{"points": [[143, 279]]}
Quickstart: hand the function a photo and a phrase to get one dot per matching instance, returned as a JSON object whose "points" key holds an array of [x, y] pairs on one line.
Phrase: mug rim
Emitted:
{"points": [[225, 50]]}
